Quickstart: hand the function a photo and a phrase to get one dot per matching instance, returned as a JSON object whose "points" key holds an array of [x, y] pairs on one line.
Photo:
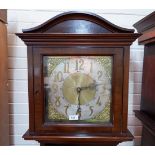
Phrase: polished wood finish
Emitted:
{"points": [[146, 26], [4, 107], [144, 117], [77, 22], [148, 137], [82, 34], [146, 23], [80, 139], [121, 39], [3, 15], [148, 134]]}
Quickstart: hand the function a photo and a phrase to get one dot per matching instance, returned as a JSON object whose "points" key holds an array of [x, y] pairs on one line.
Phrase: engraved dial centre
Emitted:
{"points": [[77, 81]]}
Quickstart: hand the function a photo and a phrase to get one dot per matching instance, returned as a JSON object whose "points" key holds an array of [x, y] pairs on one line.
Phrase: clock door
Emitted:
{"points": [[78, 89]]}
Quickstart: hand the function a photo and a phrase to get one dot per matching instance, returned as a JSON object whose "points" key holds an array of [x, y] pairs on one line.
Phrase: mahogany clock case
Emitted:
{"points": [[146, 114], [78, 34]]}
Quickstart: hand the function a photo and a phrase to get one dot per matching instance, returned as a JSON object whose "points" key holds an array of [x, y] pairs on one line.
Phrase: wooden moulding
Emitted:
{"points": [[146, 23], [90, 39], [81, 139], [101, 25], [146, 27], [147, 120]]}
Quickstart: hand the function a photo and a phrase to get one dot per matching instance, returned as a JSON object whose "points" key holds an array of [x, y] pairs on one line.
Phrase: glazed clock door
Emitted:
{"points": [[76, 89]]}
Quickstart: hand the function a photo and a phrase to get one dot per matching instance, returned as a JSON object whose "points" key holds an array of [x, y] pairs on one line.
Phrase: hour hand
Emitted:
{"points": [[91, 86]]}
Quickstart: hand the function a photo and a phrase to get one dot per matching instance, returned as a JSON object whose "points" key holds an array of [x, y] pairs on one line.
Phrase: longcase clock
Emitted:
{"points": [[78, 66]]}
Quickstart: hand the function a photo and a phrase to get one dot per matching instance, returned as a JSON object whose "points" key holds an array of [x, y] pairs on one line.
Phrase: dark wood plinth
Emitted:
{"points": [[106, 139]]}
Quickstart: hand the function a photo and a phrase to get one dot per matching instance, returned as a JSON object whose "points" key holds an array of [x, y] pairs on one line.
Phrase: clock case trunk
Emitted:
{"points": [[78, 34]]}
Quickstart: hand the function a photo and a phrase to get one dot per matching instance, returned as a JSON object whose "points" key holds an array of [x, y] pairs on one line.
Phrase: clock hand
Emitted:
{"points": [[78, 112], [91, 86], [79, 89]]}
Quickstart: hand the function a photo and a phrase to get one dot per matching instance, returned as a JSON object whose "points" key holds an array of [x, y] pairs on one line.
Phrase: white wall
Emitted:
{"points": [[17, 67]]}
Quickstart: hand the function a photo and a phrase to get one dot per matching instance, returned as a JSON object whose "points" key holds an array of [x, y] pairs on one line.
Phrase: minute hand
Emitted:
{"points": [[91, 86]]}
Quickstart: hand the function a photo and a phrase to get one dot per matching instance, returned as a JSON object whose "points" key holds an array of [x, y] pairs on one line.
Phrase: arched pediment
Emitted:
{"points": [[78, 23]]}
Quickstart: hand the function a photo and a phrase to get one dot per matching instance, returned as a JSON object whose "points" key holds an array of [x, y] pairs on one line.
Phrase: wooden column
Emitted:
{"points": [[4, 108], [146, 26]]}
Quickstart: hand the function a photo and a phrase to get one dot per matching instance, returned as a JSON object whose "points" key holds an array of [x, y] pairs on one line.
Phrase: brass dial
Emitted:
{"points": [[78, 80]]}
